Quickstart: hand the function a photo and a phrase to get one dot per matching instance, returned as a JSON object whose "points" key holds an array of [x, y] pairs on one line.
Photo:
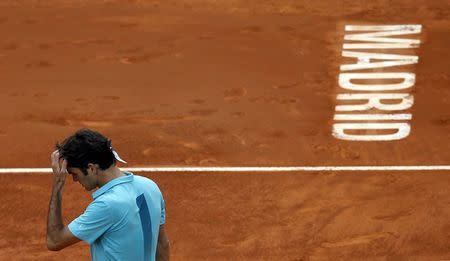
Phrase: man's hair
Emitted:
{"points": [[86, 146]]}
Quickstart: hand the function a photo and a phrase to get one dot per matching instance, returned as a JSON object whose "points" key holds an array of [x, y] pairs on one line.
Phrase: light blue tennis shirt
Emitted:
{"points": [[122, 223]]}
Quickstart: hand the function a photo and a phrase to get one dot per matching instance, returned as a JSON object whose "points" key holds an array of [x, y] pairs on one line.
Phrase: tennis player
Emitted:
{"points": [[125, 220]]}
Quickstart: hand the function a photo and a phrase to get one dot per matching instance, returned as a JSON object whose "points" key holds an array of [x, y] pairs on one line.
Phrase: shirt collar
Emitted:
{"points": [[124, 179]]}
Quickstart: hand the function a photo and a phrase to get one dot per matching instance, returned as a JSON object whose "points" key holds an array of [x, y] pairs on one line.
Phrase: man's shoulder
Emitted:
{"points": [[115, 196], [114, 203], [146, 183], [143, 180], [108, 199]]}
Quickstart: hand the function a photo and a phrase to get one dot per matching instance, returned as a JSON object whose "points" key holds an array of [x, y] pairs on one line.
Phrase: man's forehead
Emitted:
{"points": [[73, 170]]}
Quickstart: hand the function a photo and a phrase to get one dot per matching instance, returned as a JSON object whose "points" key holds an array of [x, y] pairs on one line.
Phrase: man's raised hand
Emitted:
{"points": [[59, 167]]}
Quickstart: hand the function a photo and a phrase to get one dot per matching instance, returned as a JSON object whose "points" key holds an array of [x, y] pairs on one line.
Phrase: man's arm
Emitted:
{"points": [[58, 235], [163, 247]]}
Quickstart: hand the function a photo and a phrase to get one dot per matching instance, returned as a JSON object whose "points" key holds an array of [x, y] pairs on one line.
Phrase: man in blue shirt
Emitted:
{"points": [[126, 219]]}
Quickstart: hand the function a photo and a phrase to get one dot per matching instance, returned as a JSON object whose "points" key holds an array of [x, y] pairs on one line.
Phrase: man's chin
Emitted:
{"points": [[86, 188]]}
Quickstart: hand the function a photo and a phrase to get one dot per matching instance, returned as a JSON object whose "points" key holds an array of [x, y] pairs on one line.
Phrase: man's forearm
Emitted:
{"points": [[54, 218]]}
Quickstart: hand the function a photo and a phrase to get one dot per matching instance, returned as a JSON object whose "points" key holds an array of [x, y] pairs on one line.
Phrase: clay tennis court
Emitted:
{"points": [[222, 84]]}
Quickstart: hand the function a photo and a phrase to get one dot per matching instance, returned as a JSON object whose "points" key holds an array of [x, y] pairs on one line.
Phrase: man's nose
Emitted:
{"points": [[74, 178]]}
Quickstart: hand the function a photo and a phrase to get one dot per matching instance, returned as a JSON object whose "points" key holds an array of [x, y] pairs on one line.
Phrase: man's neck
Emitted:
{"points": [[109, 174]]}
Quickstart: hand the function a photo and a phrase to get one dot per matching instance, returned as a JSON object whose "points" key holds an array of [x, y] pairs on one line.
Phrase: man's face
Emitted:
{"points": [[89, 182]]}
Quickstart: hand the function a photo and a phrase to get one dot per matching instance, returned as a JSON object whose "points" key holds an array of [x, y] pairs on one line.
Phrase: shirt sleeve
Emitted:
{"points": [[163, 212], [93, 223]]}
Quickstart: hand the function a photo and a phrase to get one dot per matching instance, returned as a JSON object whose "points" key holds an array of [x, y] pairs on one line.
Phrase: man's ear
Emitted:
{"points": [[93, 168]]}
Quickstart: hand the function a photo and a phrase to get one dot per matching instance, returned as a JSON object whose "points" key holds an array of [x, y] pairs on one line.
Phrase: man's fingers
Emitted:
{"points": [[55, 153], [55, 157], [52, 157], [58, 165], [64, 166]]}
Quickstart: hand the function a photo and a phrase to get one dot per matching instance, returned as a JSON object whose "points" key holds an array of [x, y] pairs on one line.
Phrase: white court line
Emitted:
{"points": [[250, 169]]}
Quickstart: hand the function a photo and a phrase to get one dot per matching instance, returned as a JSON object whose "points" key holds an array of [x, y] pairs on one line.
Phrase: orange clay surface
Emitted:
{"points": [[224, 83]]}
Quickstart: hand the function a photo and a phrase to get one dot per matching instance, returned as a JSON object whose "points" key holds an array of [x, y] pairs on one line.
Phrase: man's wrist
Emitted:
{"points": [[58, 184]]}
